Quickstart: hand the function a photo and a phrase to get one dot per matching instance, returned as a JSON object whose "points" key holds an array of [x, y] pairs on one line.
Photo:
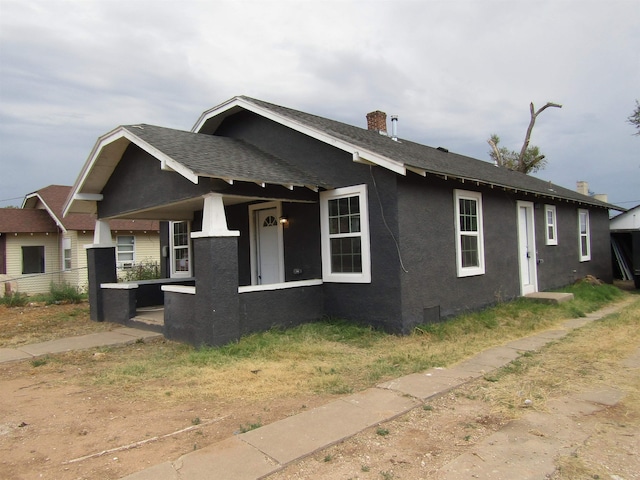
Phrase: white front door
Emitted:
{"points": [[266, 248], [527, 249]]}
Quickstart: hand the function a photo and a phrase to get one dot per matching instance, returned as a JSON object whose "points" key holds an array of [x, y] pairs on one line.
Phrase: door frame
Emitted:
{"points": [[253, 235], [531, 241]]}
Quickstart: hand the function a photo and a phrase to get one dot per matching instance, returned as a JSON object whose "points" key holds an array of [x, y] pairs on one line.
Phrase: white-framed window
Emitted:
{"points": [[125, 250], [344, 228], [180, 249], [584, 235], [469, 234], [551, 225], [66, 254]]}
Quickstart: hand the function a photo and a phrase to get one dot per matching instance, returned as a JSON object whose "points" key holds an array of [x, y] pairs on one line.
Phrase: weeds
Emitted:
{"points": [[250, 426], [64, 293], [14, 299], [39, 362]]}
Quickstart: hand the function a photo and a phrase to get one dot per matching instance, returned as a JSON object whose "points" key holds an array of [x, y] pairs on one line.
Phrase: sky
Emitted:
{"points": [[454, 71]]}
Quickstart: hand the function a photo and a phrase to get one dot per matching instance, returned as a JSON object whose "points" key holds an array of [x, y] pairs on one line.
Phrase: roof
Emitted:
{"points": [[17, 220], [51, 200], [199, 153], [222, 157], [406, 155], [628, 221]]}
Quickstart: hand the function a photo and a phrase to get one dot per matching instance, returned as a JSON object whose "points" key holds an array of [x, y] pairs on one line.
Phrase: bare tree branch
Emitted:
{"points": [[493, 141], [532, 122]]}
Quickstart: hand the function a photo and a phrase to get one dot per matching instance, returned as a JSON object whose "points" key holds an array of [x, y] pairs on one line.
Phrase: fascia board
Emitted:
{"points": [[110, 137], [393, 165], [48, 209], [165, 160]]}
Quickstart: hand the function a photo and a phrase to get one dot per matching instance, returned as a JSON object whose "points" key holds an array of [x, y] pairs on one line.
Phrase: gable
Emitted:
{"points": [[627, 221]]}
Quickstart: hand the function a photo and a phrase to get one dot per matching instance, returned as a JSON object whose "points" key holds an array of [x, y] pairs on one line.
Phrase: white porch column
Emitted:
{"points": [[102, 235], [214, 220]]}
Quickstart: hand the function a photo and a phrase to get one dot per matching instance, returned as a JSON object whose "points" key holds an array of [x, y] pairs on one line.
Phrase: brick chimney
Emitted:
{"points": [[377, 121], [582, 187]]}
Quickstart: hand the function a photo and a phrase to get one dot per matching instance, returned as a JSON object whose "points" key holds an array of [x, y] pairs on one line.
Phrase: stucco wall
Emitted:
{"points": [[427, 230]]}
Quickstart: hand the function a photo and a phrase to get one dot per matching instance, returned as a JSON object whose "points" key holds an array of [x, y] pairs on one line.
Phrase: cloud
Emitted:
{"points": [[454, 71]]}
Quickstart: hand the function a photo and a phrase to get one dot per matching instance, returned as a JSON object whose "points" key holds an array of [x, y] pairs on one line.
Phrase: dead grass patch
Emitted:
{"points": [[580, 362], [37, 322]]}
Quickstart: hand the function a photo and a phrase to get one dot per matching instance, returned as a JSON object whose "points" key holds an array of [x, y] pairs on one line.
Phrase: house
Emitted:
{"points": [[272, 216], [625, 241], [39, 246]]}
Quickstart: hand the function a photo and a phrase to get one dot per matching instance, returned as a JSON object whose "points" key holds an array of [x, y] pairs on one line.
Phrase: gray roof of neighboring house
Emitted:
{"points": [[432, 160], [222, 157]]}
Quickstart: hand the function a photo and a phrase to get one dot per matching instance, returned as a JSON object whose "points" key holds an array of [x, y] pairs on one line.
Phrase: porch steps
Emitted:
{"points": [[148, 318], [549, 297]]}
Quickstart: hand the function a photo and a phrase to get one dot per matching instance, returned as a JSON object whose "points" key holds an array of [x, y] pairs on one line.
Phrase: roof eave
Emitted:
{"points": [[359, 154]]}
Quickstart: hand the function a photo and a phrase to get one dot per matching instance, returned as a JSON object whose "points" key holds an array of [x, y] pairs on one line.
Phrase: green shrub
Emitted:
{"points": [[64, 293], [14, 299], [145, 270]]}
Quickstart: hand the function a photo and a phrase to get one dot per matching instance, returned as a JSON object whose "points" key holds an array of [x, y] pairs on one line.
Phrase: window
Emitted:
{"points": [[469, 236], [33, 259], [125, 250], [551, 224], [66, 254], [585, 235], [344, 222], [180, 252]]}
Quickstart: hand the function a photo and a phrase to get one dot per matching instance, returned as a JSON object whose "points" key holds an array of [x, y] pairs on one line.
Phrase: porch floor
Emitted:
{"points": [[149, 318]]}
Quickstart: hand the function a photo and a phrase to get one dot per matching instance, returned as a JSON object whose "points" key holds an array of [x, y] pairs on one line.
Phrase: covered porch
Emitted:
{"points": [[263, 272]]}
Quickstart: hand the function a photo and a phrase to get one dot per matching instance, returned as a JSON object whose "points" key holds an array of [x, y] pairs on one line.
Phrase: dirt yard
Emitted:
{"points": [[55, 423]]}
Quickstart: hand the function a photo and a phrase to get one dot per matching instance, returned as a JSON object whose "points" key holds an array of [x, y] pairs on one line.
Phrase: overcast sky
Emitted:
{"points": [[453, 71]]}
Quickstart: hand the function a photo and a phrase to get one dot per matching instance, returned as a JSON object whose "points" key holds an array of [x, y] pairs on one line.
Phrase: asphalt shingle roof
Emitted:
{"points": [[222, 157], [432, 160], [54, 197], [17, 220]]}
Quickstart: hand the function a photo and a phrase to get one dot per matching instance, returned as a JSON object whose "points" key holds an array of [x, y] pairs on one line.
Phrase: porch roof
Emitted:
{"points": [[193, 155], [223, 157]]}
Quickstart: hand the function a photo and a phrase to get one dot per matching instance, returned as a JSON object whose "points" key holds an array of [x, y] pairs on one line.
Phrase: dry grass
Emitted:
{"points": [[581, 361], [37, 322], [325, 358]]}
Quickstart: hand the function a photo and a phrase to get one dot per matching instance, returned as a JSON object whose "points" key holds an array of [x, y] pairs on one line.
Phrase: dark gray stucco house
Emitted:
{"points": [[272, 216]]}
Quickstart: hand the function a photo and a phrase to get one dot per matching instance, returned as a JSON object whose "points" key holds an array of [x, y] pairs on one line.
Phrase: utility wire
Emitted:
{"points": [[375, 187]]}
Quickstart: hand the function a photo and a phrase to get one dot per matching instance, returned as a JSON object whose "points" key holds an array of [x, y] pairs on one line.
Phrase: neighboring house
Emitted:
{"points": [[39, 246], [280, 217], [625, 240]]}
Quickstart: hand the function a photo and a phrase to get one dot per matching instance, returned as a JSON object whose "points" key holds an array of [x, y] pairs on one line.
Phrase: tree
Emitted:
{"points": [[530, 159], [634, 118]]}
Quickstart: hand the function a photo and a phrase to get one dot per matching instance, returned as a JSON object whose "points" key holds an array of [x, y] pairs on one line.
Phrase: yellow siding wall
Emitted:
{"points": [[35, 283], [147, 249]]}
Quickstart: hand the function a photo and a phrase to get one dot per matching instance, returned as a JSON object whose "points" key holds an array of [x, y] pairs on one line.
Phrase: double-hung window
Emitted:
{"points": [[551, 225], [66, 253], [344, 226], [125, 250], [469, 235], [584, 235], [180, 249]]}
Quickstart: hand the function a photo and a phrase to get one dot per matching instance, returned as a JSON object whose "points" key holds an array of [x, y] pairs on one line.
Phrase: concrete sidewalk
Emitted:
{"points": [[119, 336], [261, 452]]}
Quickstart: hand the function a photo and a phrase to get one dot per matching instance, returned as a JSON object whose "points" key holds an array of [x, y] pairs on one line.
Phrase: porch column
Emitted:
{"points": [[101, 267], [217, 319]]}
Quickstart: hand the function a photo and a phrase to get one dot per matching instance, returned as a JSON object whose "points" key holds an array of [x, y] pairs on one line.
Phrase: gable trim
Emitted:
{"points": [[358, 153], [166, 163], [53, 216]]}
